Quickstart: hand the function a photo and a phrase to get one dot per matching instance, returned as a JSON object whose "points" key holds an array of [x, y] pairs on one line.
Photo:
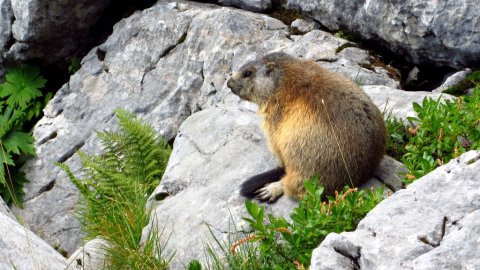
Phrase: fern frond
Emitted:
{"points": [[131, 166]]}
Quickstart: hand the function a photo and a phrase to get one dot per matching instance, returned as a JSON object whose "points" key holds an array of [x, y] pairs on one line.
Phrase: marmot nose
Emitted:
{"points": [[231, 84]]}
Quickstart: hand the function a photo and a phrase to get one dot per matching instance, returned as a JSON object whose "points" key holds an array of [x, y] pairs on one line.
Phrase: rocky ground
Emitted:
{"points": [[169, 64]]}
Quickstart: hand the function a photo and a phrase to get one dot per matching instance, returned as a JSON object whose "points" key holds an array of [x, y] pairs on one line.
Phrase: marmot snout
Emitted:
{"points": [[317, 123]]}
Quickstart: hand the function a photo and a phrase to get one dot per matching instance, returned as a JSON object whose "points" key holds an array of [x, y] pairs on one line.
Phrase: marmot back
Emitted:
{"points": [[318, 123]]}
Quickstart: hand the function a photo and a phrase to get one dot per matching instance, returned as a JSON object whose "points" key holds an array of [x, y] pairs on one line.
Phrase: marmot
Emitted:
{"points": [[317, 123]]}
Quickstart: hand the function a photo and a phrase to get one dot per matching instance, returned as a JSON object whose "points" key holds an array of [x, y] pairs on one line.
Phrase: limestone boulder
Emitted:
{"points": [[52, 32], [164, 64], [22, 249], [424, 32], [203, 177], [432, 224]]}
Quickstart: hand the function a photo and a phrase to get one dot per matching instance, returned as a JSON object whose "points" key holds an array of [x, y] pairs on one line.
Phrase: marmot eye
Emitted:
{"points": [[247, 73]]}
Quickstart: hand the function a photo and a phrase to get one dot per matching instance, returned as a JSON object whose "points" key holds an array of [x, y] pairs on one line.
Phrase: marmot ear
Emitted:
{"points": [[270, 66]]}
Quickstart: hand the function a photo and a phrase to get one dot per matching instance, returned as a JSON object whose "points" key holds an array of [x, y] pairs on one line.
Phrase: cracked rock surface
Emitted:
{"points": [[432, 224], [441, 33], [164, 64]]}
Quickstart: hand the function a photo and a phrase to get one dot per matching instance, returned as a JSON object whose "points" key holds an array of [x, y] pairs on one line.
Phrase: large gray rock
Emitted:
{"points": [[163, 63], [433, 224], [441, 33], [22, 249], [203, 176], [52, 31]]}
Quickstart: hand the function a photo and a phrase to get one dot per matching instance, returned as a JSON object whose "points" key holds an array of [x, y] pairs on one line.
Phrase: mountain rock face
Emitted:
{"points": [[440, 33], [432, 224], [164, 63], [169, 64]]}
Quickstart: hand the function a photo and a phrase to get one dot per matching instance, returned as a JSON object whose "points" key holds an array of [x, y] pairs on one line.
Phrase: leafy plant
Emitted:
{"points": [[345, 34], [397, 133], [20, 102], [75, 64], [277, 243], [115, 188], [441, 132]]}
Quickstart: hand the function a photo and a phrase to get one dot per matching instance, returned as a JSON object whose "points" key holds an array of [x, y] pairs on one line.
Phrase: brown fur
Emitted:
{"points": [[306, 108]]}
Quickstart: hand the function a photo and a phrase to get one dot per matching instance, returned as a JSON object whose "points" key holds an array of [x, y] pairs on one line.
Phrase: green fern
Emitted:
{"points": [[115, 187], [20, 102]]}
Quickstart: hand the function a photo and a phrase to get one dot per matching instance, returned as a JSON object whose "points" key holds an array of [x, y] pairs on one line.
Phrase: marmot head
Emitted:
{"points": [[258, 80]]}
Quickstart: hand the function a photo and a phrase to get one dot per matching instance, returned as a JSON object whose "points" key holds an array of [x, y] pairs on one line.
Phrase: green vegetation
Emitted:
{"points": [[345, 34], [115, 188], [344, 46], [277, 243], [75, 64], [20, 101], [397, 138], [441, 132]]}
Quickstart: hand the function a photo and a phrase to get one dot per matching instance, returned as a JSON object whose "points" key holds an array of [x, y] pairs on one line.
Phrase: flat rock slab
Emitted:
{"points": [[432, 224]]}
